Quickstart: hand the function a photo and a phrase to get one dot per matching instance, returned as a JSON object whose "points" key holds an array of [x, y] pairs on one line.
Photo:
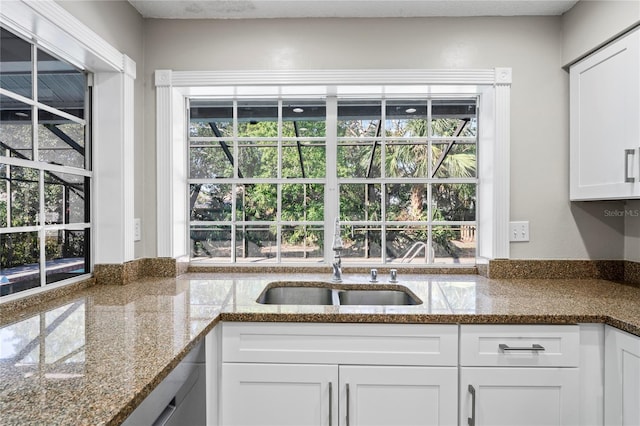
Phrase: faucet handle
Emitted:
{"points": [[374, 276], [393, 276]]}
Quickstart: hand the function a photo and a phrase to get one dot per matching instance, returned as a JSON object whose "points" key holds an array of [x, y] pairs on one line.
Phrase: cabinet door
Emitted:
{"points": [[398, 396], [622, 378], [519, 396], [279, 394], [605, 130]]}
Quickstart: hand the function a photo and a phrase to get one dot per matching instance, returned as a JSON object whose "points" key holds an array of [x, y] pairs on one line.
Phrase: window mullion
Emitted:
{"points": [[331, 194], [34, 108], [429, 254], [279, 188], [234, 186], [234, 191], [41, 230], [429, 142], [9, 197], [383, 173], [88, 123]]}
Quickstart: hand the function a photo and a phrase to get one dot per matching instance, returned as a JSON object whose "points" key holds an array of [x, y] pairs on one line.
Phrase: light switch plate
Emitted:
{"points": [[519, 231]]}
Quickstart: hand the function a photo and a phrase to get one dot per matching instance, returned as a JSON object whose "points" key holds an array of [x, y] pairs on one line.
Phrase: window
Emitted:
{"points": [[268, 205], [407, 180], [45, 167], [267, 175]]}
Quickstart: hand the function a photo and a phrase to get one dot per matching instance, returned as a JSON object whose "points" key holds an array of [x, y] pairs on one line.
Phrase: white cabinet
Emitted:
{"points": [[311, 394], [339, 374], [519, 375], [398, 395], [319, 343], [604, 125], [413, 374], [622, 378], [279, 394], [520, 396]]}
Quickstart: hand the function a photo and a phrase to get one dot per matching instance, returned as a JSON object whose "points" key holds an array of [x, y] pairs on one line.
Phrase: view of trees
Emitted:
{"points": [[64, 202], [407, 155]]}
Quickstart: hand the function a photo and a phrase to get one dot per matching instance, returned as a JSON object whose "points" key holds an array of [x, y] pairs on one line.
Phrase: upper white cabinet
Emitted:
{"points": [[604, 124]]}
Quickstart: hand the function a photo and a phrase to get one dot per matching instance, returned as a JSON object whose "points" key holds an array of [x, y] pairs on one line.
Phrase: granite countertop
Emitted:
{"points": [[92, 356]]}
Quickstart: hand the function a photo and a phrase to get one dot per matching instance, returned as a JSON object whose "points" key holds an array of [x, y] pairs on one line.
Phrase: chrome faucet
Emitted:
{"points": [[337, 269], [337, 248]]}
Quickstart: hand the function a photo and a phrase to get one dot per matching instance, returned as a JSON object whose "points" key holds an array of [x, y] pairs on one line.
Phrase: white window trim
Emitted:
{"points": [[50, 26], [174, 87]]}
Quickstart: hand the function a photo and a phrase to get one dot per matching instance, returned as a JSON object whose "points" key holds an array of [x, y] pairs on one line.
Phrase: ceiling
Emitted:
{"points": [[250, 9]]}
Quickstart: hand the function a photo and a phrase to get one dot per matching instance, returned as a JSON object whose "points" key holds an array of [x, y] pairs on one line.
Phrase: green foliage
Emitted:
{"points": [[3, 212], [302, 202], [210, 202], [24, 203], [404, 158], [3, 194], [24, 196], [19, 249], [259, 202], [360, 202]]}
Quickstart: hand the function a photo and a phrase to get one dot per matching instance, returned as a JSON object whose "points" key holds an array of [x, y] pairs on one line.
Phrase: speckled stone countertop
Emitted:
{"points": [[91, 357]]}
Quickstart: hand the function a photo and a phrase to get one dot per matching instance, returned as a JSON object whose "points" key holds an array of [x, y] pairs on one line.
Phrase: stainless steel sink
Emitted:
{"points": [[377, 297], [319, 293], [296, 296]]}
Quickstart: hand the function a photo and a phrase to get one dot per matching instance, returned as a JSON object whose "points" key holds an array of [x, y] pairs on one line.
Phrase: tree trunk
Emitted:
{"points": [[416, 202]]}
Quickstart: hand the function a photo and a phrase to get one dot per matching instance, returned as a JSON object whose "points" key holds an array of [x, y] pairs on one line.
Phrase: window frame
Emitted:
{"points": [[173, 88], [42, 168], [384, 140]]}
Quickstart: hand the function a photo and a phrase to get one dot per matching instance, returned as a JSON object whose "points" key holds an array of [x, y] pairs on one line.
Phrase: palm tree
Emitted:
{"points": [[446, 159], [410, 159]]}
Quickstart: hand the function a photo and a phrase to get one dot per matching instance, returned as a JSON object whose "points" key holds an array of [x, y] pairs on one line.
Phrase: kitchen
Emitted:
{"points": [[535, 48]]}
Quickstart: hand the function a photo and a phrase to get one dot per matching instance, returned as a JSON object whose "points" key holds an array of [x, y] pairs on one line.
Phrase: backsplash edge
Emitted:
{"points": [[613, 270]]}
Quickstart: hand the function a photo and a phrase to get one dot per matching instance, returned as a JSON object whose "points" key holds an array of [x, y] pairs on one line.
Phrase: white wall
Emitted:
{"points": [[592, 23], [531, 46], [118, 23], [632, 231], [534, 47]]}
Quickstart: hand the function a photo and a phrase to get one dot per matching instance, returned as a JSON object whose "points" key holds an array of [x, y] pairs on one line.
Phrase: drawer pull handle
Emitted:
{"points": [[627, 154], [348, 398], [330, 403], [471, 421], [535, 348]]}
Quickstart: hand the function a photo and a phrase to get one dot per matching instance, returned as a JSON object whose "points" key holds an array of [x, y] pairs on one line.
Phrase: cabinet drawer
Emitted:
{"points": [[520, 345], [377, 344]]}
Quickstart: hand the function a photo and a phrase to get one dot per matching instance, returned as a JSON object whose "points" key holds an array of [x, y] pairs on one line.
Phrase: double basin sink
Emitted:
{"points": [[321, 293]]}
